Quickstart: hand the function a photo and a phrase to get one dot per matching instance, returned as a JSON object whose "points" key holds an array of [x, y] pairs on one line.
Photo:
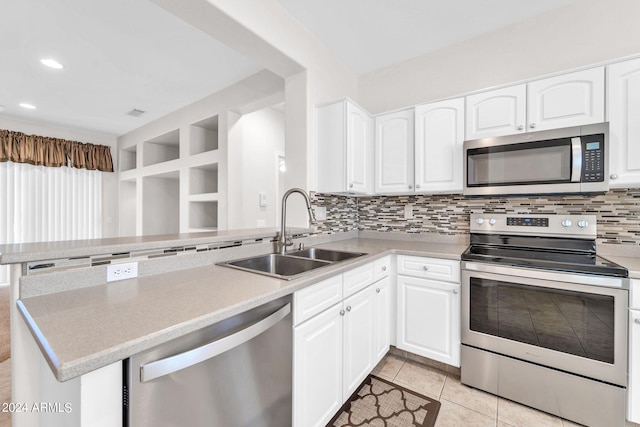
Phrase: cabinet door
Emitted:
{"points": [[429, 319], [359, 150], [633, 394], [568, 100], [331, 163], [497, 112], [382, 321], [624, 127], [438, 148], [358, 339], [394, 153], [317, 368]]}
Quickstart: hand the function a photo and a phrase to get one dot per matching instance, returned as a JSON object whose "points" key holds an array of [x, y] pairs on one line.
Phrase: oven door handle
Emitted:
{"points": [[576, 159]]}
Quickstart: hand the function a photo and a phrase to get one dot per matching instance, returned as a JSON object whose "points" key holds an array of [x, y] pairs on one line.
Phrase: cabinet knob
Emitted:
{"points": [[455, 291], [520, 127], [417, 185], [425, 268], [636, 321], [348, 308], [384, 268], [532, 125], [350, 185], [378, 291], [410, 186], [613, 176], [341, 312]]}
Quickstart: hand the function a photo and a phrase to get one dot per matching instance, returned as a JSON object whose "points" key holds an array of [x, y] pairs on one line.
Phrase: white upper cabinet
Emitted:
{"points": [[624, 127], [439, 134], [344, 149], [394, 153], [572, 99], [497, 112]]}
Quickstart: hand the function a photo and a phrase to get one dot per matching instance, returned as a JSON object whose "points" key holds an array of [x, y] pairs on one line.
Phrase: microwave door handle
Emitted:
{"points": [[576, 156]]}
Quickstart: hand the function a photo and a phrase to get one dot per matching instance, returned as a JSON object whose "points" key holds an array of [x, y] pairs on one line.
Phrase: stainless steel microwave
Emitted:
{"points": [[558, 161]]}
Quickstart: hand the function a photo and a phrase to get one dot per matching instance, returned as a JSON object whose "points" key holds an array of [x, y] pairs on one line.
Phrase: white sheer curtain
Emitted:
{"points": [[40, 204]]}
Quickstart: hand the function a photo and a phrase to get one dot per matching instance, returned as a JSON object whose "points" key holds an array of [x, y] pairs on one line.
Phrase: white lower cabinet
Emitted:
{"points": [[428, 322], [382, 319], [335, 350], [317, 367]]}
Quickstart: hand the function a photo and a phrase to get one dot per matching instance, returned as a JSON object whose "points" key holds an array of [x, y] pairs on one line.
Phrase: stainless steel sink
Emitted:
{"points": [[326, 254], [292, 265], [277, 265]]}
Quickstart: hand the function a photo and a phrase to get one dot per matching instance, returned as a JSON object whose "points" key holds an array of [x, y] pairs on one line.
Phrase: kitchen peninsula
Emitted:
{"points": [[82, 327]]}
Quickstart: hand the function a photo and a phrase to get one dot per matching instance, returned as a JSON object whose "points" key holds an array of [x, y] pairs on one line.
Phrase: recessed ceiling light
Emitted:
{"points": [[52, 63], [28, 106]]}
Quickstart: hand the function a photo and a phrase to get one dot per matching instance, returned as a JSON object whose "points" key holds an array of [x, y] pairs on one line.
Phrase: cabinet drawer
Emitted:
{"points": [[356, 279], [447, 270], [381, 268], [312, 300]]}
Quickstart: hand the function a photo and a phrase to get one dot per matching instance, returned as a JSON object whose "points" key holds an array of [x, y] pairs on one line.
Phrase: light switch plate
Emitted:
{"points": [[123, 271]]}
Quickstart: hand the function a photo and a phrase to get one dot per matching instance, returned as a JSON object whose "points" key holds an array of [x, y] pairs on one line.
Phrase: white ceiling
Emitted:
{"points": [[370, 34], [124, 54], [117, 55]]}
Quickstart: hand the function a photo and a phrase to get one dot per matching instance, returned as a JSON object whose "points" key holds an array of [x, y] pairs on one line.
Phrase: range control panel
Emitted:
{"points": [[583, 226], [527, 221]]}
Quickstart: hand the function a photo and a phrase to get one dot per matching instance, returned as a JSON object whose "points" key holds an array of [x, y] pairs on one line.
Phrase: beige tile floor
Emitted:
{"points": [[462, 405], [5, 391]]}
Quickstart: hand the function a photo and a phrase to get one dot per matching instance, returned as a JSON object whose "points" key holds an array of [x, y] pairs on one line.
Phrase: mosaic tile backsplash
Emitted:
{"points": [[618, 212]]}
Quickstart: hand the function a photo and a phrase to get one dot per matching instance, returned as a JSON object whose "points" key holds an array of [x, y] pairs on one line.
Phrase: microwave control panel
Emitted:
{"points": [[593, 158]]}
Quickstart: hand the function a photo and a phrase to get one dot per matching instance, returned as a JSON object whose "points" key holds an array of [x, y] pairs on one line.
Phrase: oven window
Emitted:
{"points": [[571, 322], [545, 162]]}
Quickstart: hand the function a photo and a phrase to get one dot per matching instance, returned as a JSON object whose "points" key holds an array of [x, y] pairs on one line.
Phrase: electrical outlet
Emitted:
{"points": [[320, 212], [124, 271], [408, 211]]}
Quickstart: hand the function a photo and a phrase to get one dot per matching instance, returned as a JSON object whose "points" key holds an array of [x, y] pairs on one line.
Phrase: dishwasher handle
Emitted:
{"points": [[153, 370]]}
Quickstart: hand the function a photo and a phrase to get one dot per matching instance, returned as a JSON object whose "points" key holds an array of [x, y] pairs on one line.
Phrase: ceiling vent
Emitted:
{"points": [[135, 113]]}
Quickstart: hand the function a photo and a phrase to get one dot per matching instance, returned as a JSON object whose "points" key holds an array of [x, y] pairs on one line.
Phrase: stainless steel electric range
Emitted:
{"points": [[544, 319]]}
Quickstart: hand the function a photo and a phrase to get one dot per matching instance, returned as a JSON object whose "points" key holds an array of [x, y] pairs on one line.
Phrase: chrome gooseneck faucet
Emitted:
{"points": [[283, 242]]}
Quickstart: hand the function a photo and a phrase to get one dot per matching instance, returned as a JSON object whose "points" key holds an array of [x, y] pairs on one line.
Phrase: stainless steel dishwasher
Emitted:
{"points": [[234, 373]]}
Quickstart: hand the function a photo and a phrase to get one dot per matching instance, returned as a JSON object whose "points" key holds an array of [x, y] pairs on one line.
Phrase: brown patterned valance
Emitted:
{"points": [[46, 151]]}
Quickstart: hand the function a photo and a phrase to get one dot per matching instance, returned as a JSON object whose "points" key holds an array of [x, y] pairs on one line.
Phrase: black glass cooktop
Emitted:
{"points": [[551, 257]]}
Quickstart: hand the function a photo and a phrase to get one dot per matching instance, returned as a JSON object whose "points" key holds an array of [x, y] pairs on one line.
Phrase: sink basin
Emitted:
{"points": [[276, 265], [292, 265], [326, 254]]}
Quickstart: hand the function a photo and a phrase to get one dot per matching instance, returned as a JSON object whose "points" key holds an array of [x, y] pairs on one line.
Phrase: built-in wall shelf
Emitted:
{"points": [[169, 182], [204, 197], [204, 135], [203, 179], [162, 148], [161, 203], [128, 158], [203, 215]]}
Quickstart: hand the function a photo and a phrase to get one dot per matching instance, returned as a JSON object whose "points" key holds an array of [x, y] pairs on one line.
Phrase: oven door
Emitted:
{"points": [[544, 318]]}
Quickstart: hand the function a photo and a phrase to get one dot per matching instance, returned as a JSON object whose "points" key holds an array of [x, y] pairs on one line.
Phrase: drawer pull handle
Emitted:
{"points": [[348, 308], [425, 268], [341, 312], [384, 268], [378, 291]]}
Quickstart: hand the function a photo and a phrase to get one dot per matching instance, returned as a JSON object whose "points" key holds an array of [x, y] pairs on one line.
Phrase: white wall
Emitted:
{"points": [[109, 180], [262, 138], [583, 33]]}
